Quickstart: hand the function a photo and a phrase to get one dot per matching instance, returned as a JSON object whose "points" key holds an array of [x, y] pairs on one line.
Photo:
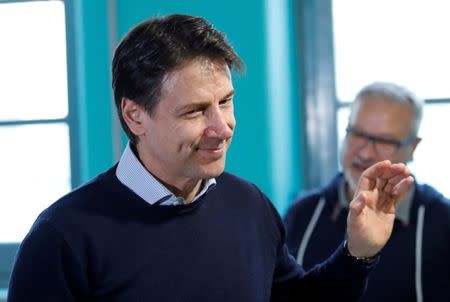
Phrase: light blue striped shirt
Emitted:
{"points": [[135, 176]]}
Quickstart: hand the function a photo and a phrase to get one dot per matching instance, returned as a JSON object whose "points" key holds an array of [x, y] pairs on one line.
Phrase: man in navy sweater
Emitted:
{"points": [[415, 264], [167, 223]]}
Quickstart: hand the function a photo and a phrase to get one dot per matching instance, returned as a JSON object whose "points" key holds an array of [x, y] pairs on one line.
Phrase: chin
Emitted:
{"points": [[216, 172], [354, 180], [211, 171]]}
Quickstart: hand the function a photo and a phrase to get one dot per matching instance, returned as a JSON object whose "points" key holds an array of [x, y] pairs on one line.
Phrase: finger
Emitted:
{"points": [[392, 182], [400, 168], [390, 198], [368, 178], [390, 201], [403, 186], [381, 183], [358, 203], [401, 171], [394, 170]]}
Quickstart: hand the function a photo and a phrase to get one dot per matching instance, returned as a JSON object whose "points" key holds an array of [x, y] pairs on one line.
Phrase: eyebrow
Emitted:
{"points": [[228, 95], [196, 105]]}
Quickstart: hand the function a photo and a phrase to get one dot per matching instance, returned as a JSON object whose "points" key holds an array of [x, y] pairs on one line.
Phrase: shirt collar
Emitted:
{"points": [[135, 176], [402, 212]]}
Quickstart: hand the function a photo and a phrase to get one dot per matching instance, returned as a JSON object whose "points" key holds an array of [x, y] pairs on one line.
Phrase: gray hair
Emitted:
{"points": [[396, 94]]}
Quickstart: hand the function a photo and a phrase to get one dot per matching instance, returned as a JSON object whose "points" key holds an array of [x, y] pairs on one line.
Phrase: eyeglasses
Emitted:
{"points": [[383, 146]]}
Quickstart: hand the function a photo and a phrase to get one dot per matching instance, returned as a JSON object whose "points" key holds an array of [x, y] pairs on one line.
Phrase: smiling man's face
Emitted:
{"points": [[188, 134], [382, 119]]}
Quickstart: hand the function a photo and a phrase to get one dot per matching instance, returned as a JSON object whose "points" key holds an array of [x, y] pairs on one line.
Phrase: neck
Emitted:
{"points": [[188, 190], [349, 193]]}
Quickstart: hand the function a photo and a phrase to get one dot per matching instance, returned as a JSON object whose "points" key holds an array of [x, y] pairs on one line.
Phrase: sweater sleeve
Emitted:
{"points": [[339, 278], [46, 269]]}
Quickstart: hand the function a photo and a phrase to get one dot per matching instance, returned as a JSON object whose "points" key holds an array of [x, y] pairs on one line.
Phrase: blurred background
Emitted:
{"points": [[305, 61]]}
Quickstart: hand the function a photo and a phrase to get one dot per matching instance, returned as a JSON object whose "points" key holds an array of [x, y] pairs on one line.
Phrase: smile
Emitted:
{"points": [[213, 151]]}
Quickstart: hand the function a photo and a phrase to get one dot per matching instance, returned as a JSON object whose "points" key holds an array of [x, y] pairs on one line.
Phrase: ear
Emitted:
{"points": [[413, 147], [415, 143], [133, 115]]}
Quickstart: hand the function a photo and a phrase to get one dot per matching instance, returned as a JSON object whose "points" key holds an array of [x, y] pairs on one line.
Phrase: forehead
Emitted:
{"points": [[378, 115], [196, 77]]}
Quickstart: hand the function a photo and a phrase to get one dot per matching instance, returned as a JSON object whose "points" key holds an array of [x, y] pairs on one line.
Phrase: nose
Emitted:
{"points": [[367, 150], [220, 124]]}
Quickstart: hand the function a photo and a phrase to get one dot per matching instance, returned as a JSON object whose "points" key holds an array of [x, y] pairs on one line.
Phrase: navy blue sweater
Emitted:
{"points": [[416, 257], [104, 243]]}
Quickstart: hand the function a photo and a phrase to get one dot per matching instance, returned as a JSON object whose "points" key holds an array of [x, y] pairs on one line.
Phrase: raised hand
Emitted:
{"points": [[372, 210]]}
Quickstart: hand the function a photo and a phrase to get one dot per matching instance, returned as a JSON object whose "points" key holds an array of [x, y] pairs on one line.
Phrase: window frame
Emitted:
{"points": [[317, 91], [318, 87], [9, 250]]}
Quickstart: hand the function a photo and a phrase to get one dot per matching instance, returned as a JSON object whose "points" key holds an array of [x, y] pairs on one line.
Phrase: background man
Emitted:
{"points": [[415, 265]]}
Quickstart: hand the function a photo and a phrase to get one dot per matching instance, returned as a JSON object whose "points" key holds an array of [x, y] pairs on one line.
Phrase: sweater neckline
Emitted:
{"points": [[117, 187]]}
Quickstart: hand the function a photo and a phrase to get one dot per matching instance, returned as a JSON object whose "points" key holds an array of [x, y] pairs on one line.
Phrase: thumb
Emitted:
{"points": [[357, 204]]}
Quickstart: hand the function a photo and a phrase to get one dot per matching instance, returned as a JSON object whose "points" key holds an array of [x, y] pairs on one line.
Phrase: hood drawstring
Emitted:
{"points": [[419, 236], [311, 225]]}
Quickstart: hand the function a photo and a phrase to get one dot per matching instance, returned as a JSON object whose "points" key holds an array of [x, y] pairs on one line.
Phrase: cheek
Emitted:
{"points": [[346, 156], [189, 134], [347, 159], [231, 120]]}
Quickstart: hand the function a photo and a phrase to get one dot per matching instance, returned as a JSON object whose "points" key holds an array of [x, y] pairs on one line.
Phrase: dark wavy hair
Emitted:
{"points": [[157, 46]]}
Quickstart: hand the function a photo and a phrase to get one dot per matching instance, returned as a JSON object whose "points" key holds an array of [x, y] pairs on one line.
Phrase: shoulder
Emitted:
{"points": [[436, 208], [229, 180], [243, 191], [69, 210], [307, 201], [246, 197], [432, 199], [230, 184], [102, 184]]}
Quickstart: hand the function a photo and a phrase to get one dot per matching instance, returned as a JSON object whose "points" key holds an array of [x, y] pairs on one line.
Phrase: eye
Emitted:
{"points": [[194, 112], [226, 101]]}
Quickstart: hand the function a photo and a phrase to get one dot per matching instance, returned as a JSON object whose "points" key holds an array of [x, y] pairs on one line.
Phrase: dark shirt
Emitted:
{"points": [[415, 263]]}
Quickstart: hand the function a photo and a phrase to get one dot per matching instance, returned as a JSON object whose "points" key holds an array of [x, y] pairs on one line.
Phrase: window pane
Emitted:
{"points": [[430, 163], [33, 73], [431, 156], [342, 120], [400, 41], [35, 171]]}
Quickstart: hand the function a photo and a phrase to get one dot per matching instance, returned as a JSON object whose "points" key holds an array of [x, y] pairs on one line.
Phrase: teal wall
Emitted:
{"points": [[90, 85], [265, 148]]}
